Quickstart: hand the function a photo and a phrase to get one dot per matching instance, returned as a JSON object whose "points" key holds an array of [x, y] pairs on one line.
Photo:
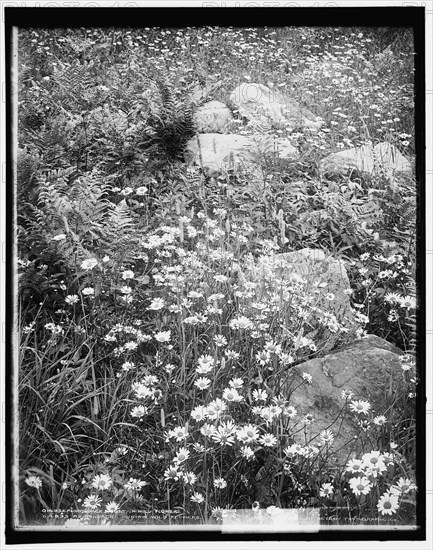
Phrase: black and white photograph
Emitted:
{"points": [[215, 304]]}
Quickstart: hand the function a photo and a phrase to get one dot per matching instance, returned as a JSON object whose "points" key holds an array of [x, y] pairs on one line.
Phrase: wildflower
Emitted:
{"points": [[102, 482], [326, 490], [372, 458], [199, 412], [268, 440], [88, 291], [308, 418], [205, 364], [272, 347], [156, 304], [379, 420], [388, 504], [247, 453], [263, 357], [286, 359], [260, 395], [106, 259], [198, 498], [360, 485], [346, 394], [393, 315], [130, 346], [404, 485], [181, 455], [307, 377], [220, 340], [220, 483], [290, 411], [279, 401], [218, 513], [111, 507], [127, 366], [216, 408], [231, 355], [222, 436], [194, 294], [141, 390], [127, 275], [169, 368], [198, 447], [248, 434], [59, 237], [34, 481], [236, 383], [360, 407], [355, 466], [202, 383], [392, 298], [215, 297], [172, 474], [231, 394], [134, 484], [326, 436], [140, 191], [408, 302], [291, 451], [71, 299], [241, 322], [89, 264], [163, 336], [92, 502], [179, 433], [189, 478], [221, 278], [207, 430], [150, 380], [139, 412]]}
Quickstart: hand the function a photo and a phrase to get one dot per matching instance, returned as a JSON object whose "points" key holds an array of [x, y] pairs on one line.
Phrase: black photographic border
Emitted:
{"points": [[235, 17]]}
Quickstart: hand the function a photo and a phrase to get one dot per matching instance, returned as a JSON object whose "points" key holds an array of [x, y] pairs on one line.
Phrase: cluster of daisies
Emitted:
{"points": [[362, 475]]}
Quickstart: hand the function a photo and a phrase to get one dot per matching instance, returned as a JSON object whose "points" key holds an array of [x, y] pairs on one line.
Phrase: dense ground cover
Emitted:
{"points": [[149, 374]]}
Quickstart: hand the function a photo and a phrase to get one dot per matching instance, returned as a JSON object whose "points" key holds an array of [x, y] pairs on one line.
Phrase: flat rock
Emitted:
{"points": [[383, 158], [370, 368], [321, 288], [221, 152], [213, 117], [262, 107]]}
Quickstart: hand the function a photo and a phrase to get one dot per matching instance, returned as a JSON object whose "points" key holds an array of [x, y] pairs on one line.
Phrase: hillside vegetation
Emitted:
{"points": [[147, 381]]}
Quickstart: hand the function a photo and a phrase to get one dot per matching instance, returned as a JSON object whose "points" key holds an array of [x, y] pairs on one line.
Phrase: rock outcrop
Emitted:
{"points": [[221, 152], [368, 367], [320, 287], [382, 159], [262, 107], [213, 118]]}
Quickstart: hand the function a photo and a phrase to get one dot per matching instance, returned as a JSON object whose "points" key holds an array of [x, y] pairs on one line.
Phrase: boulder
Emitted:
{"points": [[221, 152], [262, 107], [213, 117], [368, 367], [316, 284], [382, 159]]}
